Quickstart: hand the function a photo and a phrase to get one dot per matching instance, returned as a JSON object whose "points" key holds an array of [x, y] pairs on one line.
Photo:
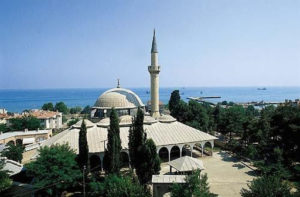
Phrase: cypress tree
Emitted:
{"points": [[83, 147], [150, 162], [113, 144], [142, 151], [174, 102], [136, 137]]}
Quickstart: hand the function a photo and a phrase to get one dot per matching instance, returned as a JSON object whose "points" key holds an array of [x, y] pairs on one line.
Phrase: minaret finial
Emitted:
{"points": [[154, 46], [118, 86]]}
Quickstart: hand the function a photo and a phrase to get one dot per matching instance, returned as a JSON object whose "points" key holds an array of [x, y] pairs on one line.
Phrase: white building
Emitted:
{"points": [[49, 119], [172, 138]]}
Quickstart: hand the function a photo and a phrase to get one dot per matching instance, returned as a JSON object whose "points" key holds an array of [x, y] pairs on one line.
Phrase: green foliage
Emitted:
{"points": [[73, 121], [174, 102], [48, 107], [86, 110], [270, 137], [149, 162], [61, 107], [64, 119], [26, 122], [142, 152], [114, 186], [4, 128], [197, 116], [83, 156], [194, 186], [5, 181], [113, 144], [75, 110], [13, 152], [136, 137], [267, 186], [55, 169]]}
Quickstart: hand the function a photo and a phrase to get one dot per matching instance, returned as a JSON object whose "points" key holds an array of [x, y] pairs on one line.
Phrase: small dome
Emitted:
{"points": [[125, 120], [118, 98], [149, 120], [166, 119], [104, 122], [88, 124]]}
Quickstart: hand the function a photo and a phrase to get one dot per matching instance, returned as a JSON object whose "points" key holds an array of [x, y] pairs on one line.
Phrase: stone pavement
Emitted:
{"points": [[226, 174]]}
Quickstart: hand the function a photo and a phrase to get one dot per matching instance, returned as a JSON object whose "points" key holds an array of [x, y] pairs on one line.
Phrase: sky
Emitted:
{"points": [[89, 44]]}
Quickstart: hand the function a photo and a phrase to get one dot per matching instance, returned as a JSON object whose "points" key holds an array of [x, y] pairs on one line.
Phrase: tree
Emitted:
{"points": [[86, 110], [48, 107], [232, 121], [5, 181], [62, 107], [267, 186], [113, 144], [4, 128], [142, 151], [13, 152], [194, 186], [197, 116], [149, 162], [73, 121], [136, 137], [114, 185], [173, 102], [83, 156], [54, 170], [26, 122], [75, 110]]}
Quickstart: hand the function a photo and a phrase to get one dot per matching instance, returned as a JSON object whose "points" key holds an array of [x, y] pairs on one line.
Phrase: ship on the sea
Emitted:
{"points": [[261, 88]]}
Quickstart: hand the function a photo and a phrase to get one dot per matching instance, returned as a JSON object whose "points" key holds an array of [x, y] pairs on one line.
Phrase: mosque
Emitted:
{"points": [[172, 138]]}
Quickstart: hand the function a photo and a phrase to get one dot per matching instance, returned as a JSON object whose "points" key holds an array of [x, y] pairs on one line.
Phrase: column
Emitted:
{"points": [[101, 158]]}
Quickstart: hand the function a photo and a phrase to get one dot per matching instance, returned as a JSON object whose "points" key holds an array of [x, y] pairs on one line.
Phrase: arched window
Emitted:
{"points": [[163, 154]]}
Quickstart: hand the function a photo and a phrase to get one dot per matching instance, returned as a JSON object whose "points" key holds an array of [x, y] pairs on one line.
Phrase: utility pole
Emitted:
{"points": [[83, 177]]}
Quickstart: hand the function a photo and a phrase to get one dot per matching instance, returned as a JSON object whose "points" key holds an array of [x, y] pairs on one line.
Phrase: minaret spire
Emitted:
{"points": [[154, 70], [154, 46]]}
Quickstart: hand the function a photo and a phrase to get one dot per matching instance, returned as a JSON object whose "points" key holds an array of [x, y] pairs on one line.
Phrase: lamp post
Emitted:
{"points": [[103, 153]]}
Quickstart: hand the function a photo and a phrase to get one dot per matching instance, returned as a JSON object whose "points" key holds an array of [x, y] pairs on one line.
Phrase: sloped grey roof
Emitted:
{"points": [[19, 133], [186, 163], [87, 123], [11, 166], [162, 134]]}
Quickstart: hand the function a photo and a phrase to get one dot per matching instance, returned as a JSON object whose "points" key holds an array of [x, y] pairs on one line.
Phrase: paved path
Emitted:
{"points": [[226, 175]]}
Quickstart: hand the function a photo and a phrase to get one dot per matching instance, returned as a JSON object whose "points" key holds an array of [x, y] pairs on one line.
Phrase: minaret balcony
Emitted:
{"points": [[154, 69]]}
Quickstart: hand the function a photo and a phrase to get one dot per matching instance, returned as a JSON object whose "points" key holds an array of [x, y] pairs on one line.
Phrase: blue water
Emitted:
{"points": [[19, 100]]}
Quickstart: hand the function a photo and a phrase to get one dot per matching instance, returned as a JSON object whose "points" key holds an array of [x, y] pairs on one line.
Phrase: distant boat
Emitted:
{"points": [[147, 92], [261, 88], [201, 92], [182, 93]]}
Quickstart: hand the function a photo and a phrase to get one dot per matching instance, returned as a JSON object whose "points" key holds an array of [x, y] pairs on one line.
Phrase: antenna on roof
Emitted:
{"points": [[118, 86]]}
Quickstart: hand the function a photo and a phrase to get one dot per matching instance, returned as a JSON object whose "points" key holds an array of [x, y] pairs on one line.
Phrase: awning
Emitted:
{"points": [[28, 140], [186, 163]]}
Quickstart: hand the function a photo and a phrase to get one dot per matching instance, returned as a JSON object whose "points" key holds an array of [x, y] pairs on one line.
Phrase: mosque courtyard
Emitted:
{"points": [[226, 174]]}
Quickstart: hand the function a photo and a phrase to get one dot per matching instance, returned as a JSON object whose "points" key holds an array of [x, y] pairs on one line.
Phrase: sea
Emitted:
{"points": [[19, 100]]}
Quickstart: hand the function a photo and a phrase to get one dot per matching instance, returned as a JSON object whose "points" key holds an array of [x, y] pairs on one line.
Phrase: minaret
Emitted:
{"points": [[154, 69]]}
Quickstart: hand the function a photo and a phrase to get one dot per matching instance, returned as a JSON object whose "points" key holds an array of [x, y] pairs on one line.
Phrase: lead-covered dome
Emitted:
{"points": [[118, 98]]}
